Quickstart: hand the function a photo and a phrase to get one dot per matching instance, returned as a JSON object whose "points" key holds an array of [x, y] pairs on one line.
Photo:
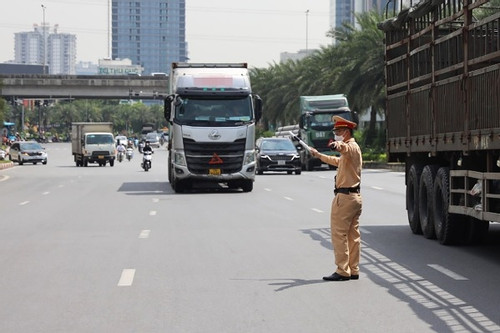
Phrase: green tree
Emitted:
{"points": [[361, 64]]}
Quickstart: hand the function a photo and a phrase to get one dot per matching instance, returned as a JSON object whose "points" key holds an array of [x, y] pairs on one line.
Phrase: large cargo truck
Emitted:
{"points": [[93, 143], [315, 125], [212, 114], [442, 63]]}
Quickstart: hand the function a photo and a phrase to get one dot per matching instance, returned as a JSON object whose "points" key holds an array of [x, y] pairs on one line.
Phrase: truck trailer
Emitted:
{"points": [[316, 124], [93, 143], [212, 114], [442, 64]]}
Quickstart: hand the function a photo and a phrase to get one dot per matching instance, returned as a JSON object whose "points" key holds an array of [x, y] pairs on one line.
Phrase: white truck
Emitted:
{"points": [[212, 114], [93, 143]]}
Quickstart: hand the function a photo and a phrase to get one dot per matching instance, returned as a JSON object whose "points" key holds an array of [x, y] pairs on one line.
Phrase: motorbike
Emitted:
{"points": [[120, 156], [129, 153], [146, 160]]}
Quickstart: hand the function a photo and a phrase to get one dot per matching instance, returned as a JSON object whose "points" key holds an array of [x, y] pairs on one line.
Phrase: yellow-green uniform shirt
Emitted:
{"points": [[348, 164]]}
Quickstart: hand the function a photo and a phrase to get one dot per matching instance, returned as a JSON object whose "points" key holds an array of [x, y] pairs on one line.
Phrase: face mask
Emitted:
{"points": [[339, 138]]}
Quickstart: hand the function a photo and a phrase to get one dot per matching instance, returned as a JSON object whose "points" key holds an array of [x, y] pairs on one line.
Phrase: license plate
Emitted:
{"points": [[101, 157], [214, 172], [281, 162]]}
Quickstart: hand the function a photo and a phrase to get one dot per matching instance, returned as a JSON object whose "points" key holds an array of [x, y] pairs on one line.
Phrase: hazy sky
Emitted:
{"points": [[253, 31]]}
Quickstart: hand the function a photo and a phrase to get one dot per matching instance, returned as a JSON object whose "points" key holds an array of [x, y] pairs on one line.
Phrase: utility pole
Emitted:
{"points": [[307, 31]]}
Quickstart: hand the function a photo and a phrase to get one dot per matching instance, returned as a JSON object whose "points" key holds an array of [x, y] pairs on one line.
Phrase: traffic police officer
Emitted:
{"points": [[346, 205]]}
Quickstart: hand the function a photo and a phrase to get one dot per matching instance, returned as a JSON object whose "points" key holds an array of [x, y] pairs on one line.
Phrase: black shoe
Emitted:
{"points": [[336, 277], [354, 277]]}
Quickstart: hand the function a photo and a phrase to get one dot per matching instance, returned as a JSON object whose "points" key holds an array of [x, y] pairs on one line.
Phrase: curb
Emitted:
{"points": [[6, 165]]}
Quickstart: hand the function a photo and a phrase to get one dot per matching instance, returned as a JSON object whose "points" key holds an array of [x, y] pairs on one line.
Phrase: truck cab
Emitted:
{"points": [[212, 114]]}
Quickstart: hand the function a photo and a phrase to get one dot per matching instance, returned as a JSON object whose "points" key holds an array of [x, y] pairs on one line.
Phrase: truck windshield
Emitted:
{"points": [[323, 121], [99, 139], [222, 112]]}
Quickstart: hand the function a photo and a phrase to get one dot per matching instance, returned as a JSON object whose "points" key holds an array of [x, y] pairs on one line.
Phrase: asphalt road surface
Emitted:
{"points": [[114, 249]]}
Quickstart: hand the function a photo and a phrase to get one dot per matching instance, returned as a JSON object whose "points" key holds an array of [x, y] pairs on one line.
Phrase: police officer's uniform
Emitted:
{"points": [[346, 205]]}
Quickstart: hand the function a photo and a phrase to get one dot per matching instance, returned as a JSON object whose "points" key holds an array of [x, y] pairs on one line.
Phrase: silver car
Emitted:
{"points": [[27, 152], [154, 139]]}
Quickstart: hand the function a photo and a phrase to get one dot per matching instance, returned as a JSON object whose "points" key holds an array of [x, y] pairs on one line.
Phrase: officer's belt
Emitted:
{"points": [[346, 190]]}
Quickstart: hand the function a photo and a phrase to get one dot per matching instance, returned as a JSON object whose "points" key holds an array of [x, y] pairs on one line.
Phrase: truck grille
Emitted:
{"points": [[199, 155], [280, 157], [321, 144], [100, 153]]}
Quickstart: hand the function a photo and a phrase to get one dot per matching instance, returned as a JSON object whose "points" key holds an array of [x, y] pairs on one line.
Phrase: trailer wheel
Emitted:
{"points": [[412, 198], [449, 227], [426, 201]]}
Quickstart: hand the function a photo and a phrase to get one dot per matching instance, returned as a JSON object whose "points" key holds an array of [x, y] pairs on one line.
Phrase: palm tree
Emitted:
{"points": [[362, 63]]}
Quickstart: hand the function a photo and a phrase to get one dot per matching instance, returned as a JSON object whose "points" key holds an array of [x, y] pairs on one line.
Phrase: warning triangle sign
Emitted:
{"points": [[215, 159]]}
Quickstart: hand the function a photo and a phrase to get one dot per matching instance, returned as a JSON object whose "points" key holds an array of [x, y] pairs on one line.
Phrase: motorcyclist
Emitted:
{"points": [[147, 147], [121, 148]]}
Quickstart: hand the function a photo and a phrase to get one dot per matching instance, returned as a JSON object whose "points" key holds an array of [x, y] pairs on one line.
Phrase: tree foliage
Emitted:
{"points": [[354, 66]]}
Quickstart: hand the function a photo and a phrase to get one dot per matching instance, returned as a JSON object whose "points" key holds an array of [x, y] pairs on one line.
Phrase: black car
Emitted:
{"points": [[277, 154]]}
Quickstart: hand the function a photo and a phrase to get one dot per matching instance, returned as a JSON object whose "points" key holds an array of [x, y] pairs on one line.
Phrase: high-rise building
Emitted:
{"points": [[44, 47], [151, 33], [342, 11]]}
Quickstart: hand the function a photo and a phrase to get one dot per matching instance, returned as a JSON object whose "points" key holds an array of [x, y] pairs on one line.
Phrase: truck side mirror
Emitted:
{"points": [[257, 107], [167, 108]]}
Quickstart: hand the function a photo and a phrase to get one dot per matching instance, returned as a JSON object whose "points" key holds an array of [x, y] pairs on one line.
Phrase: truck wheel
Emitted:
{"points": [[309, 165], [448, 227], [111, 163], [426, 199], [247, 185], [412, 185]]}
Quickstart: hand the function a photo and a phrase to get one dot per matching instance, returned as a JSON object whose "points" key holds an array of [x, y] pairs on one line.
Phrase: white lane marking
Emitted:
{"points": [[3, 177], [45, 193], [288, 198], [447, 272], [24, 203], [377, 188], [127, 278], [267, 189], [152, 213], [61, 186], [144, 234], [156, 200], [317, 210]]}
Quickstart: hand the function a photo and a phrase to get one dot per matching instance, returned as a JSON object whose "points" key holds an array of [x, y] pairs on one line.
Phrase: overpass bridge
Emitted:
{"points": [[38, 86]]}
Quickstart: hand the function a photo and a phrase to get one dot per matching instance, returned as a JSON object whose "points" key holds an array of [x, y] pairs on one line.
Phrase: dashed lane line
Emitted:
{"points": [[447, 272], [144, 234], [127, 278], [24, 203], [317, 210], [152, 213]]}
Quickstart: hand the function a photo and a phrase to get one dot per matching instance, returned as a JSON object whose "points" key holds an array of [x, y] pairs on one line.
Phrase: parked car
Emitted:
{"points": [[154, 139], [277, 154], [27, 151]]}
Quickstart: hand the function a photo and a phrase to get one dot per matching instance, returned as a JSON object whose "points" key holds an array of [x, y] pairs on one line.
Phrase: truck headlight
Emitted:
{"points": [[249, 157], [179, 159]]}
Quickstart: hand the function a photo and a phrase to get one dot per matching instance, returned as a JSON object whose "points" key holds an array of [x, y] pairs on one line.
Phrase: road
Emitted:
{"points": [[114, 249]]}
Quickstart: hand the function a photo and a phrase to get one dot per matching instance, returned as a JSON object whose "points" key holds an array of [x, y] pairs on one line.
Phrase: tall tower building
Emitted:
{"points": [[151, 33], [59, 54]]}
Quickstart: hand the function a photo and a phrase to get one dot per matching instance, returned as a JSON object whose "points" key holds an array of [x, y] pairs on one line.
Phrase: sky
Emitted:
{"points": [[252, 31]]}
